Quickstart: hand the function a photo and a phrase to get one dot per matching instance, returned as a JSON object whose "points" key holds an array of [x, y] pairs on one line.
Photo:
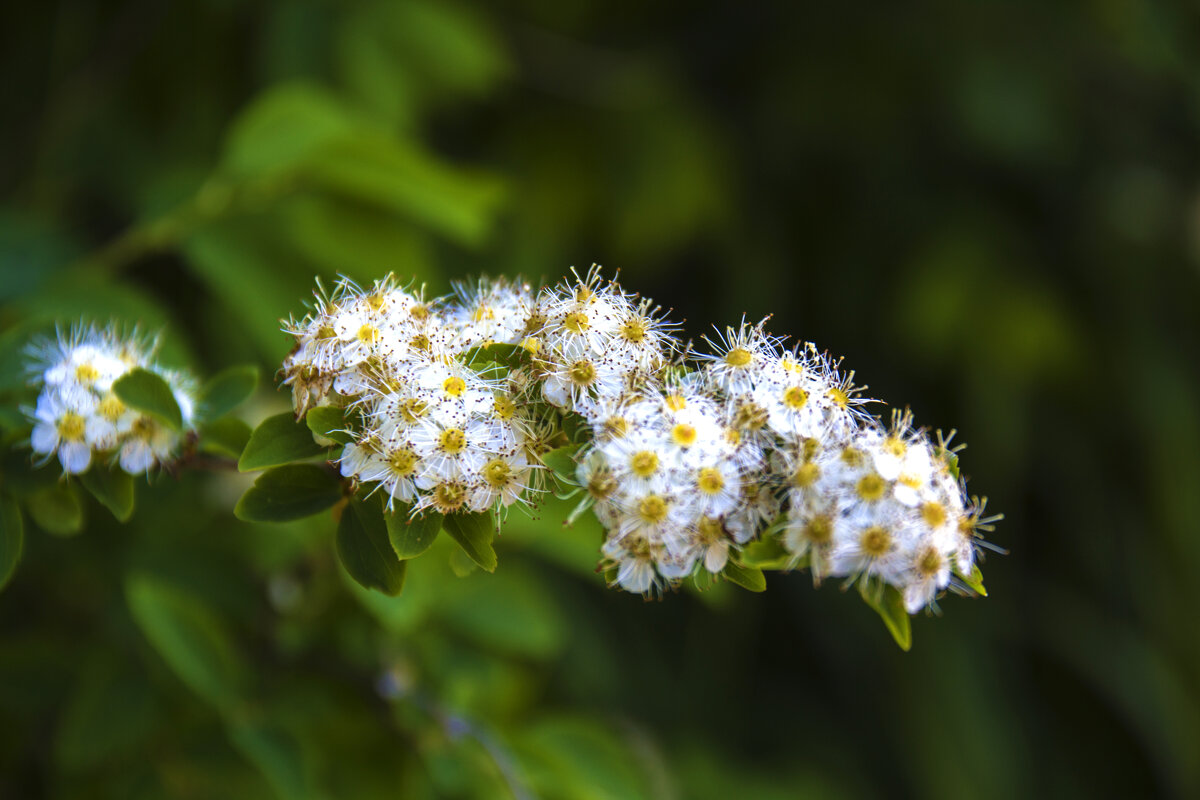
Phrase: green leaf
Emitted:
{"points": [[766, 553], [227, 390], [474, 534], [576, 428], [56, 509], [366, 552], [12, 538], [293, 491], [113, 488], [888, 603], [510, 355], [329, 422], [278, 440], [749, 578], [227, 436], [411, 538], [974, 581], [190, 638], [149, 393], [110, 711], [276, 754], [703, 580], [561, 461]]}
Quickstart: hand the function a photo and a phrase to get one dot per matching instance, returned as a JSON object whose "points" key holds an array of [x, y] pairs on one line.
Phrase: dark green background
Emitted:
{"points": [[992, 210]]}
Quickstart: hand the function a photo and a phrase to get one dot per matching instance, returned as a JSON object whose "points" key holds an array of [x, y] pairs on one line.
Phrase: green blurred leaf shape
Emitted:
{"points": [[750, 578], [305, 133], [474, 534], [974, 581], [227, 436], [147, 392], [190, 638], [412, 537], [113, 488], [888, 603], [109, 712], [56, 509], [509, 355], [278, 440], [276, 754], [511, 611], [12, 538], [581, 753], [365, 550], [561, 461], [329, 422], [766, 553], [289, 492], [227, 390]]}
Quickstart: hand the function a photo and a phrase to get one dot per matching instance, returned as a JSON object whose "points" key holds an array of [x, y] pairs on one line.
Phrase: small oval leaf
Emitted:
{"points": [[474, 534], [889, 604], [293, 491], [561, 461], [329, 422], [227, 390], [278, 440], [12, 538], [366, 552], [113, 488], [56, 509], [750, 578], [411, 538], [149, 393], [227, 436]]}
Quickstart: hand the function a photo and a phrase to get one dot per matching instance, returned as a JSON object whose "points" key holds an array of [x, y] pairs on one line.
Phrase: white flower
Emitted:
{"points": [[60, 428]]}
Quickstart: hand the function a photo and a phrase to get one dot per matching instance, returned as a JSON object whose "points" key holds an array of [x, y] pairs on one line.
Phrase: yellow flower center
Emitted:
{"points": [[739, 357], [806, 475], [634, 330], [368, 334], [413, 409], [452, 441], [710, 481], [819, 530], [111, 408], [70, 427], [839, 396], [852, 457], [875, 541], [326, 332], [482, 312], [795, 398], [505, 407], [576, 322], [143, 427], [532, 345], [934, 514], [420, 312], [683, 434], [419, 342], [601, 484], [710, 530], [582, 373], [675, 402], [930, 562], [871, 487], [402, 462], [615, 427], [86, 374], [454, 386], [750, 416], [644, 463], [652, 509], [497, 472], [449, 497]]}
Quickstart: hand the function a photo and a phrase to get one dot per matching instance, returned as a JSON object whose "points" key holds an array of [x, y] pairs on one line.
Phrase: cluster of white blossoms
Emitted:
{"points": [[79, 418], [430, 430], [692, 455]]}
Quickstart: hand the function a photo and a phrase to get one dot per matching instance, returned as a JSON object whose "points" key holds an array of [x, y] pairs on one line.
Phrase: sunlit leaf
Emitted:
{"points": [[329, 422], [289, 492], [766, 553], [412, 537], [888, 603], [227, 436], [149, 393], [366, 552], [190, 638], [12, 538], [749, 578], [278, 440], [113, 487], [227, 390], [474, 534], [974, 581]]}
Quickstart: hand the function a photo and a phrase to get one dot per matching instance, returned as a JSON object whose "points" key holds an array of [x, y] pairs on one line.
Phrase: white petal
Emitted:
{"points": [[716, 557], [75, 457], [44, 438]]}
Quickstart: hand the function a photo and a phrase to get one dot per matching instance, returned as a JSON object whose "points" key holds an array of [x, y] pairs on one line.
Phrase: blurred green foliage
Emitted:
{"points": [[991, 209]]}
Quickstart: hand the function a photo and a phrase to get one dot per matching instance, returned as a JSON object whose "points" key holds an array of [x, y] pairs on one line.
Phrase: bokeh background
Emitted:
{"points": [[992, 210]]}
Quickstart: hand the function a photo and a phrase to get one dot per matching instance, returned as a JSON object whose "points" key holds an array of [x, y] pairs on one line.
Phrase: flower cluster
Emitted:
{"points": [[81, 420], [693, 454], [430, 430]]}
